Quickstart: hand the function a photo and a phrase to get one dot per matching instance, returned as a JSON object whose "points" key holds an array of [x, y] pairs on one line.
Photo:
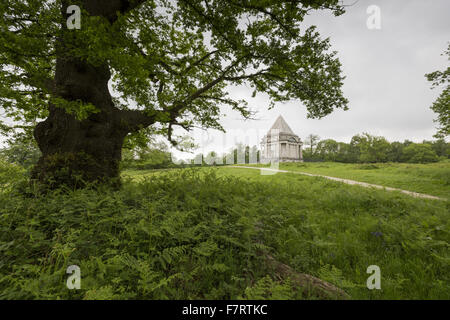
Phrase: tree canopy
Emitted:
{"points": [[442, 104], [170, 61], [367, 148]]}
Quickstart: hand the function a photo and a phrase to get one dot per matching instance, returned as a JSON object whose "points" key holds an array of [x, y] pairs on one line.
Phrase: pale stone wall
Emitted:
{"points": [[287, 151], [281, 143]]}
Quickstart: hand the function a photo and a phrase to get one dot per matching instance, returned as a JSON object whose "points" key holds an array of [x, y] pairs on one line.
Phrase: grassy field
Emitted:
{"points": [[203, 233], [335, 231], [433, 178]]}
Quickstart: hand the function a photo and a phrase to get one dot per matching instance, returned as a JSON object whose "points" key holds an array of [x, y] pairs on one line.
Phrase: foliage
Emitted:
{"points": [[173, 59], [312, 141], [198, 234], [430, 178], [442, 104], [372, 149], [327, 150], [9, 174], [151, 155], [23, 152], [268, 289], [366, 148], [395, 152], [441, 147], [419, 153], [163, 238], [73, 170]]}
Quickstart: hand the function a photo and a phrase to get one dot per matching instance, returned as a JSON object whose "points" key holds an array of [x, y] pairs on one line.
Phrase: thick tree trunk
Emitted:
{"points": [[74, 151], [77, 152]]}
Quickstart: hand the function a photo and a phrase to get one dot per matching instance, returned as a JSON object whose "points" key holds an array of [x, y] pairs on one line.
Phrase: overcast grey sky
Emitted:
{"points": [[385, 84]]}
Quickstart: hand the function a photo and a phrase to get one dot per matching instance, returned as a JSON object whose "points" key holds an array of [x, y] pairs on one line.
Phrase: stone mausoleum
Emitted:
{"points": [[281, 144]]}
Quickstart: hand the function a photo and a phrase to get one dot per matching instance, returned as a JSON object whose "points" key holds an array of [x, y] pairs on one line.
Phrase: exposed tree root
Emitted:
{"points": [[311, 286]]}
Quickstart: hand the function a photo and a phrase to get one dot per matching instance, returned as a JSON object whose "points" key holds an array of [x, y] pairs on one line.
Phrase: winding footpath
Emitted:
{"points": [[347, 181]]}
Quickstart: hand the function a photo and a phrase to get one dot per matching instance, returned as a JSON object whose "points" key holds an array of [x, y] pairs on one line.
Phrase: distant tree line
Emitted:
{"points": [[152, 155], [363, 148], [366, 148], [239, 154]]}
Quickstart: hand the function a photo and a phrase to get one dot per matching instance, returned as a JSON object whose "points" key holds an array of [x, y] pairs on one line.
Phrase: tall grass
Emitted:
{"points": [[198, 234], [431, 178]]}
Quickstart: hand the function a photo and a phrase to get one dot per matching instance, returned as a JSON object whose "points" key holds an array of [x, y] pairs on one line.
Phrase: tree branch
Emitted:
{"points": [[134, 120], [268, 13], [199, 61], [109, 8]]}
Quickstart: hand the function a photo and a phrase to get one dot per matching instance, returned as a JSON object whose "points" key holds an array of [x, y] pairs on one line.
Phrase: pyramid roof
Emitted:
{"points": [[281, 125]]}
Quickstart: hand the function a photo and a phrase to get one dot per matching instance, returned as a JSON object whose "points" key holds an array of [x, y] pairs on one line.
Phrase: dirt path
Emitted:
{"points": [[353, 182]]}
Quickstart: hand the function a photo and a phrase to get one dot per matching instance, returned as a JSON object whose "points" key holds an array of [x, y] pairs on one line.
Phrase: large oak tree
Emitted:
{"points": [[442, 104], [169, 63]]}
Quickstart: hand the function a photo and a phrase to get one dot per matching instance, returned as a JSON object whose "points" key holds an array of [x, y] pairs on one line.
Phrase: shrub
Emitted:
{"points": [[419, 153], [168, 237], [10, 174], [21, 152]]}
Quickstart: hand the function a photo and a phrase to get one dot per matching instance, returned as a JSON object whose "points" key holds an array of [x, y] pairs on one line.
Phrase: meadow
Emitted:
{"points": [[205, 233], [431, 178]]}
